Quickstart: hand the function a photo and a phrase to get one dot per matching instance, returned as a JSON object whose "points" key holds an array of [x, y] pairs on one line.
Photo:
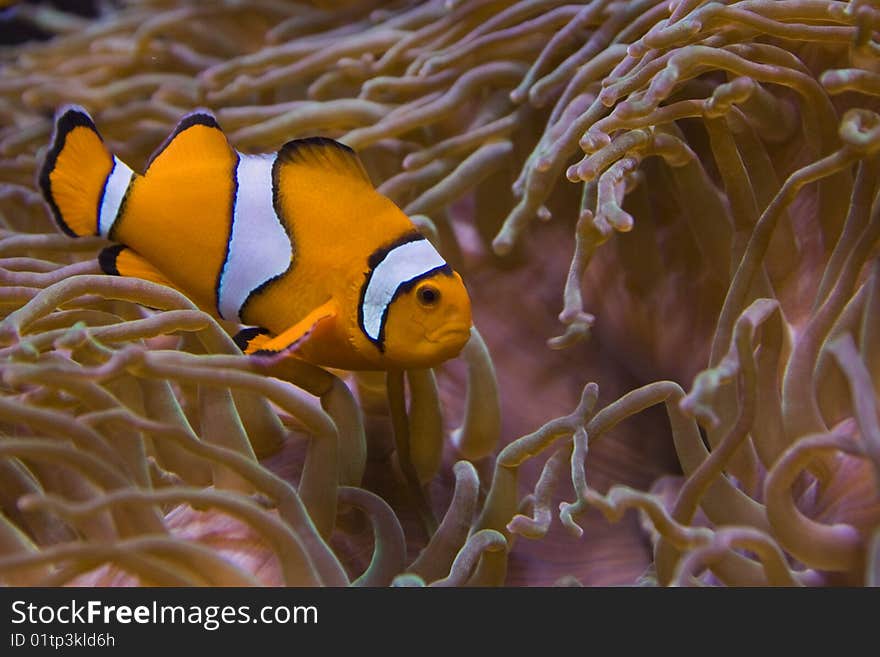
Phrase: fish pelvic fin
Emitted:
{"points": [[317, 324], [119, 260], [83, 183], [256, 334]]}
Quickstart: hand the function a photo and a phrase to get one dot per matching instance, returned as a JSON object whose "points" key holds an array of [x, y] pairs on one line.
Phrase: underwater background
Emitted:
{"points": [[666, 214]]}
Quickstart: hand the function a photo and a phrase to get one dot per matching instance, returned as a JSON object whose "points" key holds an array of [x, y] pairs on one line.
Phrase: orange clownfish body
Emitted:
{"points": [[298, 244]]}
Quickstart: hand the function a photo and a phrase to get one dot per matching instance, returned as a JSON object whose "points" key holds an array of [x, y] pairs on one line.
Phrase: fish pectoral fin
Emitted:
{"points": [[119, 260], [311, 327]]}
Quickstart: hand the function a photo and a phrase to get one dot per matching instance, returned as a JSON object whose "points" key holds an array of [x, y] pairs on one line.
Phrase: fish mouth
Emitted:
{"points": [[456, 334]]}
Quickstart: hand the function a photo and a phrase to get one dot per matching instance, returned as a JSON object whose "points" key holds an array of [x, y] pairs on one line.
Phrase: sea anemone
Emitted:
{"points": [[731, 280]]}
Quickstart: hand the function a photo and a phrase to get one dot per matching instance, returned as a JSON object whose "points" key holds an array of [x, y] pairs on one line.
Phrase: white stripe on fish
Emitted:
{"points": [[401, 265], [259, 248], [114, 192]]}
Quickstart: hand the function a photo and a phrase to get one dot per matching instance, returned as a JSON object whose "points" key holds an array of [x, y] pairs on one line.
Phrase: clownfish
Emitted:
{"points": [[296, 245]]}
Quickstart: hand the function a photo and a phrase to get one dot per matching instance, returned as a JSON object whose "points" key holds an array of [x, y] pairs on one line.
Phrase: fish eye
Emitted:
{"points": [[428, 295]]}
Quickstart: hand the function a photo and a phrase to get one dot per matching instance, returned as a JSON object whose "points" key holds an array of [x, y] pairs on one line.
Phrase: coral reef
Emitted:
{"points": [[711, 171]]}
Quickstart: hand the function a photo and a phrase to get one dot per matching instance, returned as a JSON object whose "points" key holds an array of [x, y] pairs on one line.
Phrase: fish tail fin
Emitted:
{"points": [[83, 183]]}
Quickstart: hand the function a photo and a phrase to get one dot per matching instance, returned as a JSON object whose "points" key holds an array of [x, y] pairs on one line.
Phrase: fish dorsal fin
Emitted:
{"points": [[197, 137], [321, 157]]}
